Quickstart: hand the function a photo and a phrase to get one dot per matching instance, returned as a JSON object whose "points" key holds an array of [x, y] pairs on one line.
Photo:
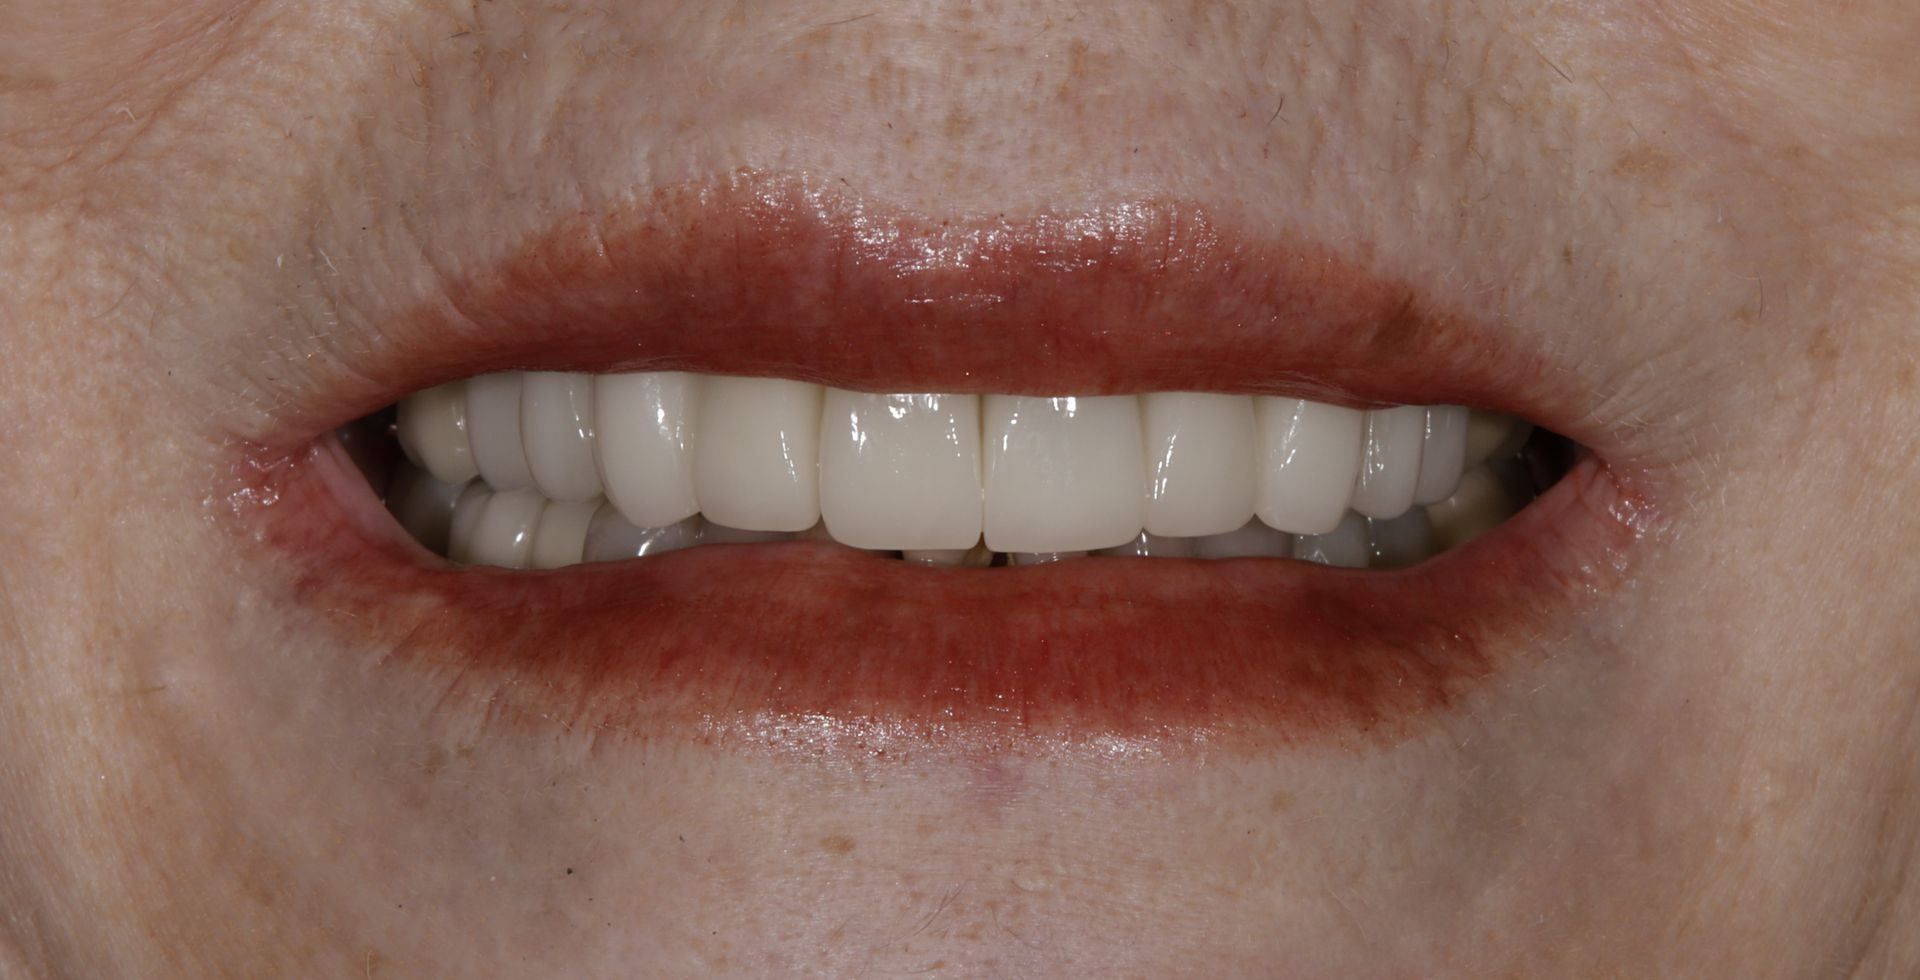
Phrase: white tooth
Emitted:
{"points": [[900, 471], [1491, 435], [1346, 546], [1254, 540], [1478, 506], [1062, 474], [504, 536], [556, 423], [561, 537], [938, 557], [722, 534], [1200, 462], [645, 425], [1401, 541], [1042, 557], [756, 464], [1149, 545], [423, 506], [1443, 454], [466, 517], [1309, 460], [1390, 465], [493, 426], [611, 537], [433, 431]]}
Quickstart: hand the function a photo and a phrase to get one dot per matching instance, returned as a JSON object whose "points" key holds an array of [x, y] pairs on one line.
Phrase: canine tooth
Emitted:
{"points": [[560, 539], [432, 426], [466, 517], [1252, 540], [493, 427], [756, 465], [1401, 541], [423, 505], [900, 470], [556, 423], [1062, 474], [1200, 462], [504, 536], [611, 537], [1443, 454], [645, 426], [1346, 546], [1491, 435], [1390, 465], [1042, 557], [723, 534], [1478, 506], [1149, 545], [1309, 461]]}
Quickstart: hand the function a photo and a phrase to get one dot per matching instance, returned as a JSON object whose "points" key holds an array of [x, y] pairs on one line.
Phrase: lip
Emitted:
{"points": [[811, 645]]}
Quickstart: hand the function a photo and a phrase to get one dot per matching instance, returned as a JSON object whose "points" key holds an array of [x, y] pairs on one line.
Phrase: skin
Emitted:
{"points": [[1710, 211]]}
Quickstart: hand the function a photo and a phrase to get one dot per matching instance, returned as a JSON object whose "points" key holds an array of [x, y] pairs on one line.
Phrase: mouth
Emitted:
{"points": [[760, 465]]}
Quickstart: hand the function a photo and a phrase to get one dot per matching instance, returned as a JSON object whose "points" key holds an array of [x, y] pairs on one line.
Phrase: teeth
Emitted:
{"points": [[493, 427], [1491, 435], [1309, 462], [1480, 504], [721, 534], [1390, 466], [424, 506], [1062, 474], [756, 463], [1253, 540], [1200, 472], [1042, 557], [1149, 545], [900, 471], [556, 424], [560, 539], [611, 537], [1346, 546], [975, 557], [645, 429], [1401, 541], [432, 426], [1443, 454], [504, 535], [466, 517]]}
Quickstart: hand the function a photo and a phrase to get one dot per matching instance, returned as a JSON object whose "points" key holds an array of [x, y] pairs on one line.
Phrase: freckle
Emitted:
{"points": [[1280, 802], [837, 844]]}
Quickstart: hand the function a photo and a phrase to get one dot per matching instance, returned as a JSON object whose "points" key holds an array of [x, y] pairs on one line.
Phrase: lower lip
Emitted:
{"points": [[803, 645]]}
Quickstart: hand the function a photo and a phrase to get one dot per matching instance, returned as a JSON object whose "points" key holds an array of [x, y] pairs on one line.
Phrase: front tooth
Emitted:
{"points": [[556, 423], [424, 506], [466, 517], [949, 557], [1149, 545], [504, 536], [900, 471], [561, 537], [1390, 465], [756, 465], [1443, 454], [493, 426], [1401, 541], [1478, 506], [723, 534], [1253, 540], [1346, 546], [1042, 557], [432, 427], [1062, 474], [1200, 469], [645, 427], [1309, 461], [611, 537]]}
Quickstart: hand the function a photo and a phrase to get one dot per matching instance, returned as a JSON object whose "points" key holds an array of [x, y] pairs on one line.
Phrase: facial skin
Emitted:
{"points": [[1710, 212]]}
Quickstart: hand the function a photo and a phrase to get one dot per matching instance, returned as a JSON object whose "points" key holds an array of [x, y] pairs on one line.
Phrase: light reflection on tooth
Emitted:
{"points": [[493, 427], [756, 464], [1346, 546], [432, 426], [1443, 453], [1043, 557], [1149, 545], [1253, 540], [556, 423], [645, 426], [1200, 451], [423, 505], [504, 536], [1401, 541], [1062, 474], [900, 471], [1390, 464], [1480, 505], [560, 539], [1309, 461], [611, 537], [466, 517]]}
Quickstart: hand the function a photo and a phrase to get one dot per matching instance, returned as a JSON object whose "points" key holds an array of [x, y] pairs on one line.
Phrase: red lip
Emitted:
{"points": [[810, 644]]}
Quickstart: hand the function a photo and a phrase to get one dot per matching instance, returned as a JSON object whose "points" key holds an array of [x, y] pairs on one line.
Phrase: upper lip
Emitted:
{"points": [[765, 275]]}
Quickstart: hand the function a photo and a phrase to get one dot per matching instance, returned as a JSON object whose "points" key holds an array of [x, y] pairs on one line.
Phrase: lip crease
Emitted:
{"points": [[804, 643]]}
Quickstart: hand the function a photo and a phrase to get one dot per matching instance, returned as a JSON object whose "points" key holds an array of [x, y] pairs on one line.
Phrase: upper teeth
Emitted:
{"points": [[929, 474]]}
